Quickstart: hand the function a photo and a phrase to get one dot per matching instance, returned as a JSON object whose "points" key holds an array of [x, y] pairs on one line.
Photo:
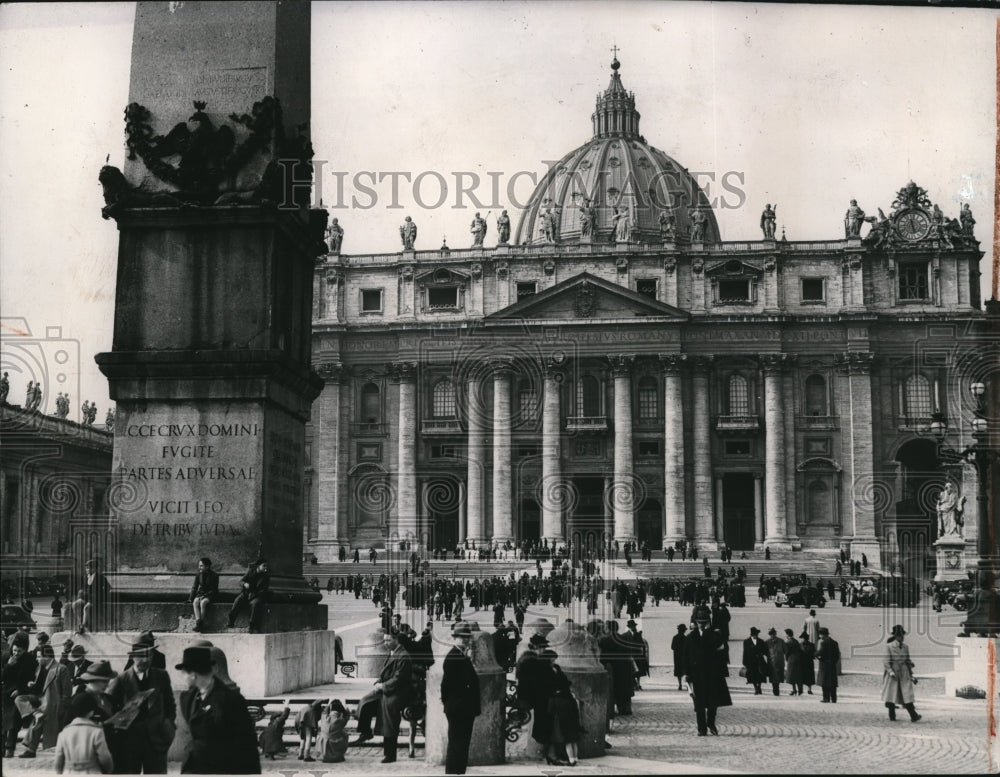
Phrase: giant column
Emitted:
{"points": [[673, 449], [857, 365], [776, 534], [326, 423], [503, 524], [704, 511], [476, 459], [623, 489], [405, 375], [552, 491]]}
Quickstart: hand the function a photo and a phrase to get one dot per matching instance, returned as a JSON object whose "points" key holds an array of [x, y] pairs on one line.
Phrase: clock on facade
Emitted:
{"points": [[913, 225]]}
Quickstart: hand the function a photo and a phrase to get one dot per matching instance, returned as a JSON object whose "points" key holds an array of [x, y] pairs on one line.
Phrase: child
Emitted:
{"points": [[272, 738], [81, 747], [333, 737], [307, 724]]}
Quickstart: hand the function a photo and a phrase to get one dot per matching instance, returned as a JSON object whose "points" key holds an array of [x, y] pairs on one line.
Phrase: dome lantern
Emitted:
{"points": [[615, 114]]}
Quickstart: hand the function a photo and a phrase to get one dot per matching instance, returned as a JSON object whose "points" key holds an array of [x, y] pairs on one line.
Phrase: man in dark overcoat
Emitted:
{"points": [[460, 697], [395, 684], [828, 655], [755, 658], [223, 740], [706, 672]]}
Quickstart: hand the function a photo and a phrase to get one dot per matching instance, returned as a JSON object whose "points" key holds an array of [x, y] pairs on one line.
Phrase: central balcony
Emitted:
{"points": [[586, 423], [441, 426], [737, 423]]}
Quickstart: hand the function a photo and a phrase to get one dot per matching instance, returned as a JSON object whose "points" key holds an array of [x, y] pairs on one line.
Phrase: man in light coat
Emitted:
{"points": [[49, 695], [897, 677], [811, 627]]}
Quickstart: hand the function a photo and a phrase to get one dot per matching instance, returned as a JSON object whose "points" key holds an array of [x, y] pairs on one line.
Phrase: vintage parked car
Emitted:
{"points": [[803, 595]]}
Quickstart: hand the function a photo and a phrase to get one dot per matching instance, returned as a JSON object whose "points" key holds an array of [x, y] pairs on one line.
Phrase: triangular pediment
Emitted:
{"points": [[586, 296]]}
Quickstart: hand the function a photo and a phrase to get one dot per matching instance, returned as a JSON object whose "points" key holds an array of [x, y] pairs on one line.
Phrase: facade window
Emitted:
{"points": [[588, 396], [734, 290], [648, 404], [371, 300], [442, 297], [447, 451], [527, 402], [738, 448], [739, 396], [648, 448], [371, 404], [524, 451], [816, 398], [813, 290], [913, 283], [646, 287], [526, 289], [443, 399], [917, 401]]}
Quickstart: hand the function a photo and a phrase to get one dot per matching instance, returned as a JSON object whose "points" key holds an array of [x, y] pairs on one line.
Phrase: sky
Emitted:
{"points": [[809, 105]]}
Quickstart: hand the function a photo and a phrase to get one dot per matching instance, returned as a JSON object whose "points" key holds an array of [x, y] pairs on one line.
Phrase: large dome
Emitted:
{"points": [[615, 169]]}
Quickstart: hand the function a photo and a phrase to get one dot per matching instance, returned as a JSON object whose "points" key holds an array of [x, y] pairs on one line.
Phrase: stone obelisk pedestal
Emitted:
{"points": [[951, 559], [210, 361]]}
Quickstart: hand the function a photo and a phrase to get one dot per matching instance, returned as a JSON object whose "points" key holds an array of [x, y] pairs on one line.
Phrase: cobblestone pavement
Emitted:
{"points": [[756, 735]]}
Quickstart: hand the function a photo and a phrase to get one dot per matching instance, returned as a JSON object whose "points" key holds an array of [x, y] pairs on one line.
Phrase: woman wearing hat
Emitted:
{"points": [[808, 657], [677, 648], [564, 712], [793, 662], [897, 677], [81, 747]]}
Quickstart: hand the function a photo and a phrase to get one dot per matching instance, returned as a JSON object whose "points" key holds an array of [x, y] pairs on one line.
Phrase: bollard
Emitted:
{"points": [[488, 733], [371, 654], [590, 683]]}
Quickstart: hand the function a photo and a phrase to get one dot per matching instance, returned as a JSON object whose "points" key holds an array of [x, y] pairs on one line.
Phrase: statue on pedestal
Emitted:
{"points": [[667, 226], [588, 218], [950, 507], [853, 219], [503, 229], [623, 224], [408, 234], [968, 222], [768, 220], [547, 226], [334, 236], [62, 405], [109, 420], [698, 223], [478, 230]]}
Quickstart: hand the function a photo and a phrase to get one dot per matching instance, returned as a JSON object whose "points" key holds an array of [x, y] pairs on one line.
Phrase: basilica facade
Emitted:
{"points": [[611, 369]]}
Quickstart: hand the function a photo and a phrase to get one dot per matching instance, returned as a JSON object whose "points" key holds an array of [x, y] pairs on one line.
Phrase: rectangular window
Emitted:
{"points": [[913, 281], [734, 291], [646, 287], [369, 451], [442, 298], [648, 448], [818, 446], [526, 289], [523, 451], [371, 300], [447, 451], [738, 448], [812, 290]]}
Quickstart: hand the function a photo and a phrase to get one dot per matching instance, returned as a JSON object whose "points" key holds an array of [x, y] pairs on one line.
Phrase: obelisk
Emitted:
{"points": [[210, 362]]}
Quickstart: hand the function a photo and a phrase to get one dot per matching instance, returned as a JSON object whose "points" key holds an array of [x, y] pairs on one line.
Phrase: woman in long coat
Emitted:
{"points": [[793, 662], [565, 714], [677, 647], [808, 667], [776, 654], [897, 677]]}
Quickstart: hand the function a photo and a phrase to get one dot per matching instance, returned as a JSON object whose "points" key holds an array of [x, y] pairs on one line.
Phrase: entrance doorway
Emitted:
{"points": [[649, 524], [441, 498], [530, 521], [738, 510], [586, 525], [916, 510]]}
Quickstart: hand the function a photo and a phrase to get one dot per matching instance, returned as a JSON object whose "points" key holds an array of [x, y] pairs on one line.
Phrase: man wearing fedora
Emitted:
{"points": [[897, 677], [19, 671], [460, 697], [253, 594], [142, 747], [706, 672], [156, 659], [77, 665], [388, 699], [223, 740], [828, 655], [47, 697], [755, 657]]}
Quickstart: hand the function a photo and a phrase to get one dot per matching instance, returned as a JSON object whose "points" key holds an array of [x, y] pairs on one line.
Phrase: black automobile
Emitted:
{"points": [[801, 595], [14, 617]]}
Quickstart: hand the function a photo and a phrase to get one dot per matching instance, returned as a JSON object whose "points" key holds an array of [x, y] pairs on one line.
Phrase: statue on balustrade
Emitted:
{"points": [[668, 226], [334, 236], [588, 218], [408, 234], [624, 221], [698, 223], [950, 509], [853, 219], [768, 221], [968, 222], [503, 229], [478, 230]]}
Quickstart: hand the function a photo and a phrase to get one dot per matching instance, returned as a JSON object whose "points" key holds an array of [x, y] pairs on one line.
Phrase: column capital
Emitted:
{"points": [[776, 363], [673, 363], [403, 372], [621, 365], [501, 367], [331, 372], [702, 362], [856, 362]]}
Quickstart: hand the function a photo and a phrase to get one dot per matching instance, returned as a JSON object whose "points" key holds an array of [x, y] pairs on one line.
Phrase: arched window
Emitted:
{"points": [[816, 403], [819, 506], [648, 404], [917, 402], [371, 404], [739, 395], [527, 401], [443, 399], [588, 397]]}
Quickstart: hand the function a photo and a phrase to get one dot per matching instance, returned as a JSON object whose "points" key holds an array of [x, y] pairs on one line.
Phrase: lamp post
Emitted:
{"points": [[984, 454]]}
